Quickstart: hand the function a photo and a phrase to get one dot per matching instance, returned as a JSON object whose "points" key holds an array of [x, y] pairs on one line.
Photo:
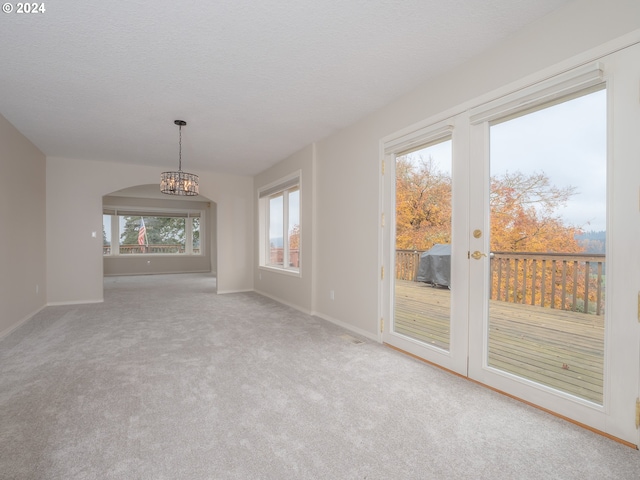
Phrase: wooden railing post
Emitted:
{"points": [[569, 283], [407, 264]]}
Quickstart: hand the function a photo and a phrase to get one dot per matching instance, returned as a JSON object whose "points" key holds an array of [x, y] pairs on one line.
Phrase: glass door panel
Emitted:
{"points": [[547, 203], [422, 308]]}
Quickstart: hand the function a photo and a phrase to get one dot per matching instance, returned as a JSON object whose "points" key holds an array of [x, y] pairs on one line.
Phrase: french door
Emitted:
{"points": [[540, 300], [428, 318]]}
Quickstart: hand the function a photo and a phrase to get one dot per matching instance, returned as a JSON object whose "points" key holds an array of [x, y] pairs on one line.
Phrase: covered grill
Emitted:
{"points": [[435, 266]]}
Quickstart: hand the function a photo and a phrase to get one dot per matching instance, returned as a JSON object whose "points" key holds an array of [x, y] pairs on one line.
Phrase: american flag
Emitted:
{"points": [[142, 233]]}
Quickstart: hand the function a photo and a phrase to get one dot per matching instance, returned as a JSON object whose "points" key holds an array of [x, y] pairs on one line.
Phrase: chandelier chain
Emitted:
{"points": [[180, 152]]}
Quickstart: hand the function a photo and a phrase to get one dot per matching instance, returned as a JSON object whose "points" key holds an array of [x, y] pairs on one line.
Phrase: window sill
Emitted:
{"points": [[288, 272], [145, 255]]}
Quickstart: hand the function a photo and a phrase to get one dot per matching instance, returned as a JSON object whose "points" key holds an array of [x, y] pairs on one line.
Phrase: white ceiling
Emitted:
{"points": [[255, 80]]}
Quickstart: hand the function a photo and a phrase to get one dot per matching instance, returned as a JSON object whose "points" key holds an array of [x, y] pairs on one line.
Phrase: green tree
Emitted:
{"points": [[196, 232], [160, 230]]}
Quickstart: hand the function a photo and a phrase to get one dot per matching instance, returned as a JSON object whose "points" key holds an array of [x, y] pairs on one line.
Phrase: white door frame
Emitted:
{"points": [[621, 336], [621, 71], [454, 127]]}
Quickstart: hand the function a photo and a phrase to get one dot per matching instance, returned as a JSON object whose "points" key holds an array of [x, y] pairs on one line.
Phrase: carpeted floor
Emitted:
{"points": [[166, 380]]}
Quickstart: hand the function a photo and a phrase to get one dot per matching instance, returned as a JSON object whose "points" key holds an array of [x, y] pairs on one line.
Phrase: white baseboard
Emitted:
{"points": [[340, 323], [284, 302], [359, 331], [170, 272], [75, 302], [21, 322], [222, 292]]}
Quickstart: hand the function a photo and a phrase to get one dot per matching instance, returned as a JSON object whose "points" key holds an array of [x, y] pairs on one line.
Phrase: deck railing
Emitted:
{"points": [[566, 281], [407, 263], [127, 249], [276, 256]]}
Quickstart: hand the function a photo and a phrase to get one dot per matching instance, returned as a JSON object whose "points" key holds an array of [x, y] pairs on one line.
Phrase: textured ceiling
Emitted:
{"points": [[255, 80]]}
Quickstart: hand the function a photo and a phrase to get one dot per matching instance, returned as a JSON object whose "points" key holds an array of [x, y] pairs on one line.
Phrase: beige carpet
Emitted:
{"points": [[166, 380]]}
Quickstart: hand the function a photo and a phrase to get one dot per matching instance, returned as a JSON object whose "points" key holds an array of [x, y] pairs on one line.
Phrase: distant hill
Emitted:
{"points": [[593, 242]]}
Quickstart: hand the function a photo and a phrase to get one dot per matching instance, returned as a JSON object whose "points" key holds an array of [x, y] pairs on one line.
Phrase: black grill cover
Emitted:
{"points": [[435, 265]]}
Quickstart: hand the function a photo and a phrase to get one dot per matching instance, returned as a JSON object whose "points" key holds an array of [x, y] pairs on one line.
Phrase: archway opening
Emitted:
{"points": [[146, 232]]}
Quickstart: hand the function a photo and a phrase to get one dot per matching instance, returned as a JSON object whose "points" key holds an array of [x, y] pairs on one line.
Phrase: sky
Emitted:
{"points": [[275, 222], [106, 223], [566, 141]]}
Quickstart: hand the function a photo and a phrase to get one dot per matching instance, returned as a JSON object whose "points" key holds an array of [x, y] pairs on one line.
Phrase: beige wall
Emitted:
{"points": [[344, 205], [347, 198], [292, 290], [141, 265], [74, 210], [22, 228]]}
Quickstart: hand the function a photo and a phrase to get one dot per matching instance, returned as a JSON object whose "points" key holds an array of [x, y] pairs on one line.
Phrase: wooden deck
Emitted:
{"points": [[561, 349]]}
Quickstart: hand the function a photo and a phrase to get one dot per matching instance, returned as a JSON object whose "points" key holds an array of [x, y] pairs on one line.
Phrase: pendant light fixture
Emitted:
{"points": [[179, 183]]}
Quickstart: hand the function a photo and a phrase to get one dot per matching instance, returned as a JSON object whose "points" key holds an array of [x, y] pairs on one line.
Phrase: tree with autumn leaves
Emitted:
{"points": [[423, 205], [524, 218], [523, 215], [523, 210]]}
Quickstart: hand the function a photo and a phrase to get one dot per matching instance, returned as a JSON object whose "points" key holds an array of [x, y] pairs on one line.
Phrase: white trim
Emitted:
{"points": [[287, 271], [346, 326], [155, 273], [282, 186], [5, 333], [423, 135], [401, 143], [541, 93], [284, 302], [314, 227], [224, 292], [588, 57], [130, 211], [313, 313], [145, 255], [572, 63], [74, 302]]}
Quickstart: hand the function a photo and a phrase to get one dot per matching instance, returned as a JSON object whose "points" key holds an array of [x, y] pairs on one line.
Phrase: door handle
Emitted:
{"points": [[478, 255]]}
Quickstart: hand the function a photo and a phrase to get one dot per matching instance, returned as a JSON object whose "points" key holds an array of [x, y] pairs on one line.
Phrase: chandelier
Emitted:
{"points": [[179, 183]]}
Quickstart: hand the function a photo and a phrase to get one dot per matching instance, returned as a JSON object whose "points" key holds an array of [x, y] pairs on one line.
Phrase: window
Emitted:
{"points": [[106, 234], [280, 225], [195, 229], [131, 232]]}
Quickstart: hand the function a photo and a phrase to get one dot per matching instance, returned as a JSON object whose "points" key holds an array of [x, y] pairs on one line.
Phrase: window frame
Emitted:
{"points": [[282, 187], [188, 214]]}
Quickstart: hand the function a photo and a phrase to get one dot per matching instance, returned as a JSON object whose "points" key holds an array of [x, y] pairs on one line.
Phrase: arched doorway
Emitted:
{"points": [[146, 232]]}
